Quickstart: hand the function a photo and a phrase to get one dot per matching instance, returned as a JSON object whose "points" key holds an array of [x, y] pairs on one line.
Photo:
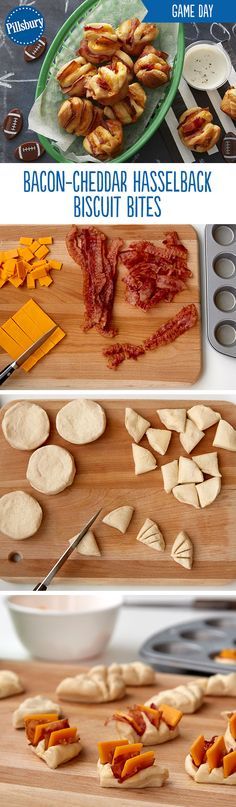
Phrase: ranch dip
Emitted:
{"points": [[206, 66]]}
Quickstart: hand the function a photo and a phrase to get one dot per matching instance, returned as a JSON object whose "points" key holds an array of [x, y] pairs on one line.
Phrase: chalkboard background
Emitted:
{"points": [[18, 81]]}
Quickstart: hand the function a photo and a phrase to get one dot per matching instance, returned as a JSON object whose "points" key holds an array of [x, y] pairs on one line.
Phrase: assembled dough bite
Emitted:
{"points": [[228, 103], [88, 545], [53, 740], [220, 685], [170, 474], [33, 706], [81, 421], [226, 656], [133, 35], [144, 460], [159, 439], [51, 469], [20, 515], [150, 725], [208, 491], [25, 425], [173, 419], [120, 518], [105, 141], [99, 685], [152, 68], [209, 762], [136, 673], [187, 494], [230, 734], [203, 416], [182, 550], [151, 535], [100, 42], [79, 116], [197, 131], [135, 424], [72, 76], [124, 766], [208, 463], [188, 698], [130, 109], [191, 436], [10, 684], [225, 436], [189, 471]]}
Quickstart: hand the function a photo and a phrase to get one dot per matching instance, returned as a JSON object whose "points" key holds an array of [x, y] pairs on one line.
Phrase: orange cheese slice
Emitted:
{"points": [[25, 327]]}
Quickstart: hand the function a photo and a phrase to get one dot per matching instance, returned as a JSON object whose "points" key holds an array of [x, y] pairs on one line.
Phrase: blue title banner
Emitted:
{"points": [[168, 11]]}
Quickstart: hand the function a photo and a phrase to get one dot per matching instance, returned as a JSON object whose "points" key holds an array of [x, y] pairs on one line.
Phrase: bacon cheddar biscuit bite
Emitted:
{"points": [[133, 35], [152, 68], [100, 42], [197, 131], [130, 108], [123, 765], [152, 725], [79, 116], [105, 141], [72, 76], [209, 762]]}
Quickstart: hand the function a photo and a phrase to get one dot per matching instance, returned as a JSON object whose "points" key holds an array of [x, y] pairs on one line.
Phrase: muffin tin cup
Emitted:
{"points": [[192, 646], [220, 261]]}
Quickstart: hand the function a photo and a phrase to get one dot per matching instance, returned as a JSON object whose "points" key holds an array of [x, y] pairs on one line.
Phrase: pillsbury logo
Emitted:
{"points": [[24, 25]]}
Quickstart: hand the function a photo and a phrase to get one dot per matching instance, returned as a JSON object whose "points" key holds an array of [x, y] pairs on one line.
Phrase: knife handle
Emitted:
{"points": [[7, 372]]}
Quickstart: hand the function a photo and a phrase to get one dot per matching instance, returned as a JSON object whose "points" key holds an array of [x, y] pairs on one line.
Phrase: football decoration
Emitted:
{"points": [[29, 152], [13, 123], [33, 52]]}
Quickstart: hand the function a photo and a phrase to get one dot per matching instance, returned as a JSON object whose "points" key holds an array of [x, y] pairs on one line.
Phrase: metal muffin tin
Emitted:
{"points": [[220, 261], [192, 646]]}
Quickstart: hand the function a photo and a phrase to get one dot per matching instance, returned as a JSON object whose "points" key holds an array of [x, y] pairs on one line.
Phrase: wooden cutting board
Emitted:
{"points": [[106, 480], [26, 780], [78, 361]]}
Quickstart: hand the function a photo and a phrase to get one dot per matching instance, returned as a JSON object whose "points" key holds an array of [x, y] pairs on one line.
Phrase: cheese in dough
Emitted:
{"points": [[151, 735], [207, 777], [57, 754], [10, 684], [154, 776]]}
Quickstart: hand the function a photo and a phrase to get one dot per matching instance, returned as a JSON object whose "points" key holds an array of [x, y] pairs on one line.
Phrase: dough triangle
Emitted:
{"points": [[159, 439], [88, 545], [144, 460], [151, 535], [120, 518], [187, 494], [203, 416], [135, 424], [208, 463], [182, 550], [173, 419], [189, 471]]}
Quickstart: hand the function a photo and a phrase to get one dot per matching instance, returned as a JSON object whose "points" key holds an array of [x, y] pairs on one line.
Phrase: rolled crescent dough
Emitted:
{"points": [[225, 436], [203, 416], [10, 684], [81, 421], [120, 518], [221, 684], [186, 697], [135, 424], [20, 515], [173, 419], [25, 425], [159, 439], [144, 460], [51, 469]]}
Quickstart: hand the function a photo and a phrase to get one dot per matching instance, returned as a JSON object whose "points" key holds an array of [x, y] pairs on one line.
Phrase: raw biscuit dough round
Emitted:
{"points": [[25, 425], [20, 515], [51, 469], [81, 421]]}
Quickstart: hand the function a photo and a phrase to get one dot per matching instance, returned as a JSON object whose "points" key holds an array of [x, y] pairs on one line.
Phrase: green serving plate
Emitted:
{"points": [[158, 115]]}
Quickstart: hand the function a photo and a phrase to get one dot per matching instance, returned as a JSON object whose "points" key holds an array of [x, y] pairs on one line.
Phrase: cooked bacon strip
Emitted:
{"points": [[185, 319], [155, 273], [90, 249]]}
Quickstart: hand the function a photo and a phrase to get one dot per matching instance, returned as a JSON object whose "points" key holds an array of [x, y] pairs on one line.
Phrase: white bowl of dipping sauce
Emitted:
{"points": [[64, 627], [206, 66]]}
